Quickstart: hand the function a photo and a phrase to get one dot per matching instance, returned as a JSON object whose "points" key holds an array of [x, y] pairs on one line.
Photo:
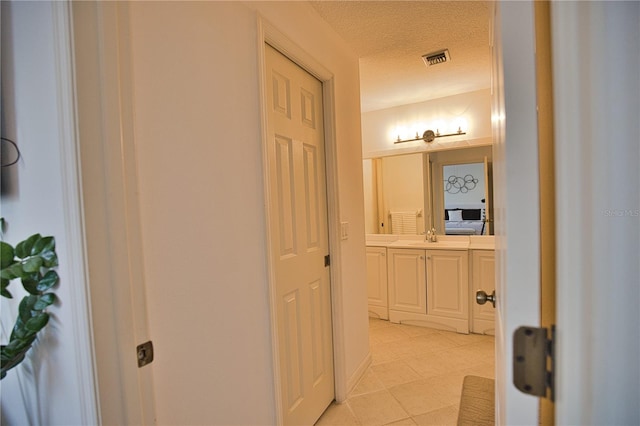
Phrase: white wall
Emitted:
{"points": [[370, 198], [597, 133], [198, 140], [381, 128], [54, 385], [403, 187]]}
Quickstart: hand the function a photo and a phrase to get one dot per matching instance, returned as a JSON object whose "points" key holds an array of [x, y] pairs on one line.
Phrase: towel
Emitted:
{"points": [[404, 222]]}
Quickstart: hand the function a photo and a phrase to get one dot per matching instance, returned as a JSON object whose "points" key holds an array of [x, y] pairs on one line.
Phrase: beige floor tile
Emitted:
{"points": [[482, 370], [449, 386], [465, 339], [404, 422], [395, 373], [459, 358], [412, 346], [338, 415], [414, 370], [414, 331], [377, 409], [376, 323], [399, 349], [368, 384], [447, 416], [383, 352], [436, 342], [482, 350], [386, 334], [419, 397], [427, 365]]}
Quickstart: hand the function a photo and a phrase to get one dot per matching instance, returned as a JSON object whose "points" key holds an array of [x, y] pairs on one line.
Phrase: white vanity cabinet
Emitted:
{"points": [[429, 287], [448, 289], [377, 282], [432, 284], [482, 278], [407, 285]]}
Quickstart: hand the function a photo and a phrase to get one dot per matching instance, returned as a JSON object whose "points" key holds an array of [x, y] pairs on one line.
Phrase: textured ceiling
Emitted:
{"points": [[390, 38]]}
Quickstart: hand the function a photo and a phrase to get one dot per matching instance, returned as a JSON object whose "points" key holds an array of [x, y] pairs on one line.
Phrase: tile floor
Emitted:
{"points": [[415, 377]]}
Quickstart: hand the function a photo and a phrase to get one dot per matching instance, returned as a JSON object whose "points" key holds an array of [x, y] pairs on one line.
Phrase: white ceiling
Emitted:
{"points": [[390, 38]]}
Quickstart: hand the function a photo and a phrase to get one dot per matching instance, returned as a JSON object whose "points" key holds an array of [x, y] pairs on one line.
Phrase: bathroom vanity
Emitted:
{"points": [[431, 284]]}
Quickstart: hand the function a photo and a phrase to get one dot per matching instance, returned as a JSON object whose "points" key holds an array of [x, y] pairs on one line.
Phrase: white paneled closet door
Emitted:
{"points": [[299, 239]]}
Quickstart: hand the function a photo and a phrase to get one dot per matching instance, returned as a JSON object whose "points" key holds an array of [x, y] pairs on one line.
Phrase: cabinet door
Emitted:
{"points": [[407, 285], [448, 283], [377, 281], [482, 278]]}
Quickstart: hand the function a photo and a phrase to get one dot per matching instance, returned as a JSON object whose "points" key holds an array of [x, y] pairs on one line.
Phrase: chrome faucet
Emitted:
{"points": [[430, 235]]}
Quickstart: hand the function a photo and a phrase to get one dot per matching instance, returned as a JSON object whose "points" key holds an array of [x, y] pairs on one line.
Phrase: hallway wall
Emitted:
{"points": [[198, 142]]}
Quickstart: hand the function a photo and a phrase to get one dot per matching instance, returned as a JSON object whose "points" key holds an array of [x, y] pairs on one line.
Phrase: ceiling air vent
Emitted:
{"points": [[435, 58]]}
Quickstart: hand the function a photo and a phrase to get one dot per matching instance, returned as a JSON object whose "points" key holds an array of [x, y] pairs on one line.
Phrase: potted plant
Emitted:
{"points": [[31, 261]]}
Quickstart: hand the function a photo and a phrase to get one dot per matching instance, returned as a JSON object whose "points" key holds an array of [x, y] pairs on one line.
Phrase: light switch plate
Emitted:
{"points": [[344, 230]]}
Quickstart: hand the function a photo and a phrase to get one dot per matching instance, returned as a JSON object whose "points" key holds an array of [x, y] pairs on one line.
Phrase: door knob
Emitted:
{"points": [[482, 297]]}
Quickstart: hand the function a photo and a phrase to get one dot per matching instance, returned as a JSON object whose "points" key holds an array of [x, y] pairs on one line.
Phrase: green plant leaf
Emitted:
{"points": [[49, 280], [12, 272], [19, 325], [30, 283], [50, 258], [5, 283], [26, 306], [38, 322], [29, 260], [42, 245], [19, 332], [46, 248], [12, 363], [16, 346], [16, 349], [44, 301], [6, 255], [23, 249], [33, 264]]}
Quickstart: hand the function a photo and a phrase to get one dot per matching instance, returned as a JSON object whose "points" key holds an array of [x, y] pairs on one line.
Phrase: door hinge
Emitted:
{"points": [[534, 361], [327, 260]]}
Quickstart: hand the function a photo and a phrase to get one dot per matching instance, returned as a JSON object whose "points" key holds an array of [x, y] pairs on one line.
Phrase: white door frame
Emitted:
{"points": [[112, 220], [74, 213], [516, 200], [267, 33]]}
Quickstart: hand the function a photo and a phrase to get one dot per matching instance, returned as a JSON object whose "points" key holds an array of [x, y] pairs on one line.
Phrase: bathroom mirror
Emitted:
{"points": [[407, 194]]}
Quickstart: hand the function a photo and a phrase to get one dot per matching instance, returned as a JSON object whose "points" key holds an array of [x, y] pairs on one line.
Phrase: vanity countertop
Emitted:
{"points": [[444, 242]]}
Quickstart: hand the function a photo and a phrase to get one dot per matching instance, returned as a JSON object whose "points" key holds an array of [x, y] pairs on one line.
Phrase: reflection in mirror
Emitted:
{"points": [[394, 195], [464, 199], [406, 194]]}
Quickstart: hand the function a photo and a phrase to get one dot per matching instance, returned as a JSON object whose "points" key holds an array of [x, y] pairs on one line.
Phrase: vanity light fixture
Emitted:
{"points": [[429, 136]]}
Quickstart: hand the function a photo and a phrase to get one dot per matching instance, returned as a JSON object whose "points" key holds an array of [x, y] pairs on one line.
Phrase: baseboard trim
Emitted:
{"points": [[355, 378]]}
